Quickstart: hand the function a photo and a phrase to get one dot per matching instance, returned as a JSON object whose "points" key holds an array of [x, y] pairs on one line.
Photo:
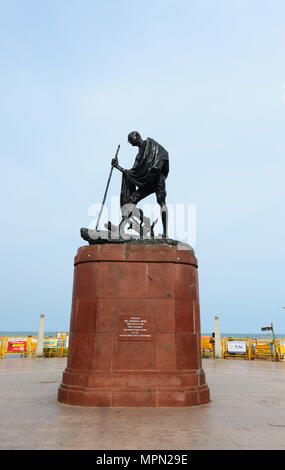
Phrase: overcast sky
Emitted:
{"points": [[205, 78]]}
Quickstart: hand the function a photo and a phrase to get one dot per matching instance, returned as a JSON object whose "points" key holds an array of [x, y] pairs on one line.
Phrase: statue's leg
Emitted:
{"points": [[129, 209], [164, 218], [161, 197], [127, 189]]}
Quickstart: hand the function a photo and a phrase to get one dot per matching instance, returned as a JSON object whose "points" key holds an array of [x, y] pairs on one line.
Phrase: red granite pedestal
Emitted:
{"points": [[134, 328]]}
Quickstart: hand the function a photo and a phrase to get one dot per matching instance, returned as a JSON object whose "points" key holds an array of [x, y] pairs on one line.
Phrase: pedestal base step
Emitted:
{"points": [[133, 398]]}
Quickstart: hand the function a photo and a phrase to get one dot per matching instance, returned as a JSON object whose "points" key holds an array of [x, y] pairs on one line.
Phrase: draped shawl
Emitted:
{"points": [[150, 165]]}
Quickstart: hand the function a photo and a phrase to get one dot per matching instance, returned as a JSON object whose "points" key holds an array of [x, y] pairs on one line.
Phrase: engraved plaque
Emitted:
{"points": [[135, 326]]}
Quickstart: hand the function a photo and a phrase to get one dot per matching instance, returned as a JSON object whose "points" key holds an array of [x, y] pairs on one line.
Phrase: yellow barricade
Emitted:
{"points": [[265, 349], [53, 347], [2, 348], [280, 348], [19, 345], [237, 348], [248, 348], [26, 346], [206, 346]]}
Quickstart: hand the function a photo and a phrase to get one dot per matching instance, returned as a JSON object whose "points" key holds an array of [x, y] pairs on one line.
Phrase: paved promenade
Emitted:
{"points": [[247, 411]]}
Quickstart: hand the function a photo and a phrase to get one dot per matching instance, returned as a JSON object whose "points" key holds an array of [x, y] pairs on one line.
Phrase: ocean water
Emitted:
{"points": [[15, 334], [248, 335]]}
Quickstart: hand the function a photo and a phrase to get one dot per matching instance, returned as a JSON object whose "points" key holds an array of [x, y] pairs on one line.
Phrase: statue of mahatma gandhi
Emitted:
{"points": [[147, 176]]}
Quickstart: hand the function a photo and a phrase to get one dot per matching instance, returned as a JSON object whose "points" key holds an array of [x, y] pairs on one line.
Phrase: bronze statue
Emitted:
{"points": [[147, 176]]}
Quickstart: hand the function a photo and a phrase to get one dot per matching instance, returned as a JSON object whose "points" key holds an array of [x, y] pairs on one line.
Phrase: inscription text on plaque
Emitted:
{"points": [[135, 326]]}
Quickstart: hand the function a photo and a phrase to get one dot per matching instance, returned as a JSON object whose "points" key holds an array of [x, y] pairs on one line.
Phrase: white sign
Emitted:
{"points": [[237, 347]]}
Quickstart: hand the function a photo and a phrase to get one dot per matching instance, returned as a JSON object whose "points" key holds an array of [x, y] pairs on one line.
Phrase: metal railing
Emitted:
{"points": [[232, 348], [11, 346], [26, 346], [237, 348], [56, 348], [246, 348]]}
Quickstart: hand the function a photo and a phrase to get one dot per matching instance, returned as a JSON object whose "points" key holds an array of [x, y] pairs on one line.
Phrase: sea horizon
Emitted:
{"points": [[22, 333]]}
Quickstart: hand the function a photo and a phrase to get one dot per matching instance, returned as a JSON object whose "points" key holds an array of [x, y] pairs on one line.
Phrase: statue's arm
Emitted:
{"points": [[116, 165]]}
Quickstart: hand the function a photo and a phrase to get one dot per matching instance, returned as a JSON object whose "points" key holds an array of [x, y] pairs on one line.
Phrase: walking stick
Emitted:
{"points": [[107, 187]]}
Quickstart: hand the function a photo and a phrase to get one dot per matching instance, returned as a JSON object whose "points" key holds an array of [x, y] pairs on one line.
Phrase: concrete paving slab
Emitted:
{"points": [[247, 411]]}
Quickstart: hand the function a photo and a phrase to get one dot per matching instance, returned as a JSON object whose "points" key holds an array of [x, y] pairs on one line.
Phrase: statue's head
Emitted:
{"points": [[134, 138]]}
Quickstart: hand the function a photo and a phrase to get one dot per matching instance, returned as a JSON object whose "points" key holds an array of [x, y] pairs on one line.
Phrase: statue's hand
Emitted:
{"points": [[115, 164]]}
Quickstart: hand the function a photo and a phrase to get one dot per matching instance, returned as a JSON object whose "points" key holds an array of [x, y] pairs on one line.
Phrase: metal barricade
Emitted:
{"points": [[56, 347], [19, 345], [207, 346], [26, 346], [237, 348], [266, 349], [2, 348], [280, 348], [249, 348]]}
